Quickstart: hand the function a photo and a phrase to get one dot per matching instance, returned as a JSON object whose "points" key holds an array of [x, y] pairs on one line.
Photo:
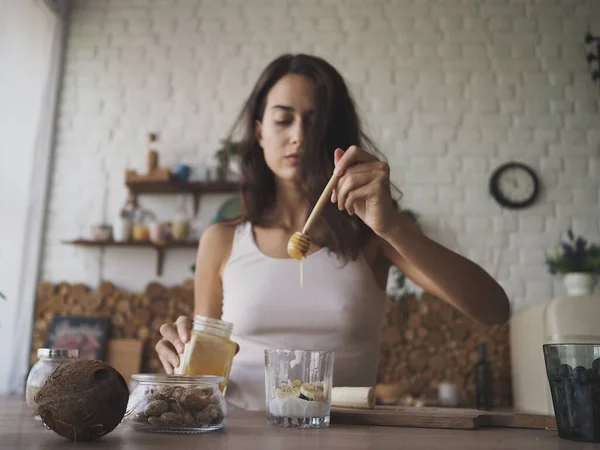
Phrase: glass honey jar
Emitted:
{"points": [[210, 350]]}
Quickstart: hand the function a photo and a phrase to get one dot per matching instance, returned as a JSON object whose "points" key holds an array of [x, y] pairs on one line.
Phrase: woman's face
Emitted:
{"points": [[288, 112]]}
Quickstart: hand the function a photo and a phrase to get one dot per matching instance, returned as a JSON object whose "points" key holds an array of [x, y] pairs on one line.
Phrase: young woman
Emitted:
{"points": [[299, 125]]}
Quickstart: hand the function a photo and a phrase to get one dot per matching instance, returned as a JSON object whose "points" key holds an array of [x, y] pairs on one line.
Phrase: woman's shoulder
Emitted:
{"points": [[216, 243], [222, 233]]}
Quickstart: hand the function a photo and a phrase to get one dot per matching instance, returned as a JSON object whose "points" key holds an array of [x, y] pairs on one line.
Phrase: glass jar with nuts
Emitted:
{"points": [[176, 403]]}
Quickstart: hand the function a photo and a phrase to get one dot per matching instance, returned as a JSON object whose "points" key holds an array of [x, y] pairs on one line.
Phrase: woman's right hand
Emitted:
{"points": [[171, 346]]}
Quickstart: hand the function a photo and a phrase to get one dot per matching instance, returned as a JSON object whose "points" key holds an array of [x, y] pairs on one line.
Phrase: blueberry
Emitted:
{"points": [[565, 371], [596, 396], [582, 397], [580, 374], [596, 365], [553, 375], [579, 417], [587, 431]]}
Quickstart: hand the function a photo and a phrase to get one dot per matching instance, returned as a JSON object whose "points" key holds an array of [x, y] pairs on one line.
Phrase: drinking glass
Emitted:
{"points": [[574, 375], [298, 387]]}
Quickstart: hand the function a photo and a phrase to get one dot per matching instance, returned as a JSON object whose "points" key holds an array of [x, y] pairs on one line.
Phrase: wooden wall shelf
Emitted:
{"points": [[159, 248], [139, 187], [196, 188]]}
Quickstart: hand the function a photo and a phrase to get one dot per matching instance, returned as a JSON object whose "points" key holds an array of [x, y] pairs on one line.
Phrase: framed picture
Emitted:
{"points": [[89, 335]]}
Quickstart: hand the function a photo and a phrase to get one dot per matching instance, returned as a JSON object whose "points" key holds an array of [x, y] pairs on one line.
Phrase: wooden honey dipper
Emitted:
{"points": [[299, 243]]}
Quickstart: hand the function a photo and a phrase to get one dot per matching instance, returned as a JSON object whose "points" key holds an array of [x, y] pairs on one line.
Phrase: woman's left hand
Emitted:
{"points": [[364, 188]]}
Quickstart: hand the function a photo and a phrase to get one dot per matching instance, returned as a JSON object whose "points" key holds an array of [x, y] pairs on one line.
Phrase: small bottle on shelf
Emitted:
{"points": [[484, 393], [152, 152]]}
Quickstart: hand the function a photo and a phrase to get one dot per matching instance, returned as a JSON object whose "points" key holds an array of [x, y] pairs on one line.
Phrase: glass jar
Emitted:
{"points": [[210, 350], [49, 360], [176, 403]]}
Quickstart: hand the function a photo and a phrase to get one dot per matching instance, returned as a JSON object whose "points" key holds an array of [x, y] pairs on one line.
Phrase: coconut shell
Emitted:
{"points": [[83, 400]]}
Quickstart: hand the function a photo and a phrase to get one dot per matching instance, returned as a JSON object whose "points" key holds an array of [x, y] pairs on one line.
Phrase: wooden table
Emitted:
{"points": [[249, 431]]}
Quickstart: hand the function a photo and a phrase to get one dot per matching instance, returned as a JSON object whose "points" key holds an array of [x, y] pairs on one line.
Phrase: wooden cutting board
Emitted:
{"points": [[517, 420], [429, 417]]}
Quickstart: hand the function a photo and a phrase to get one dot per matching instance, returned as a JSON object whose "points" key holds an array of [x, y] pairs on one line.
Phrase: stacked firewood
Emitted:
{"points": [[426, 341], [132, 315]]}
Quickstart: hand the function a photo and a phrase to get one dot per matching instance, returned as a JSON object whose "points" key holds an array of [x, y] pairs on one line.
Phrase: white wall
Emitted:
{"points": [[30, 44], [450, 89]]}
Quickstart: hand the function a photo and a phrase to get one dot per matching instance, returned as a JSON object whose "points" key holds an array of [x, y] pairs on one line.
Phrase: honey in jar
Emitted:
{"points": [[210, 350]]}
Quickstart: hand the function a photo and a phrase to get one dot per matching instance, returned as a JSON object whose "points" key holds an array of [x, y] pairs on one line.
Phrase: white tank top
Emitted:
{"points": [[339, 308]]}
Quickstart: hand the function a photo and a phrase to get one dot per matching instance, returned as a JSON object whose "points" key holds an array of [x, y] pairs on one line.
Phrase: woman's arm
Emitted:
{"points": [[213, 252], [444, 273], [364, 189]]}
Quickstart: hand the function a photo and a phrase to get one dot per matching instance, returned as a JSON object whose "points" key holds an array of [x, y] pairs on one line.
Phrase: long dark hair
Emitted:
{"points": [[335, 124]]}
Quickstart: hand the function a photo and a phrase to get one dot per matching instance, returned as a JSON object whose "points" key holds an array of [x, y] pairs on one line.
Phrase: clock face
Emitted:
{"points": [[514, 185]]}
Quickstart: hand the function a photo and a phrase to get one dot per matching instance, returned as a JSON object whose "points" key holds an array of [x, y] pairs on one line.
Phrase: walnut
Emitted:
{"points": [[140, 418], [195, 399], [172, 418], [153, 394], [211, 415], [167, 391], [177, 393], [156, 408]]}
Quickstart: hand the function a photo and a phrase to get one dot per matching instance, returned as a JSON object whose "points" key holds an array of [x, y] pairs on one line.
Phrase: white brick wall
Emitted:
{"points": [[449, 89]]}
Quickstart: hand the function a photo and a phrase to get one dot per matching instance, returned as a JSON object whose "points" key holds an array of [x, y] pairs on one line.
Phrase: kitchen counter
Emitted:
{"points": [[249, 431]]}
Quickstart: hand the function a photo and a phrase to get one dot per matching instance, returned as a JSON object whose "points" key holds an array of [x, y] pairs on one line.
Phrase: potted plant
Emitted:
{"points": [[227, 156], [578, 262]]}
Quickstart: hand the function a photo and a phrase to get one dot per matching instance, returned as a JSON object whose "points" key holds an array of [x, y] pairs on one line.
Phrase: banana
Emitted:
{"points": [[313, 392], [353, 397], [285, 391]]}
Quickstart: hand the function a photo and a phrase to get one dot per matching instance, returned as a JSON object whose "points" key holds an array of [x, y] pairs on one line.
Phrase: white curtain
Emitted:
{"points": [[31, 43]]}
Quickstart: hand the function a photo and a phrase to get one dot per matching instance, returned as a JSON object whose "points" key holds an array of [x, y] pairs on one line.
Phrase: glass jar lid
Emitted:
{"points": [[178, 379], [215, 326], [57, 353]]}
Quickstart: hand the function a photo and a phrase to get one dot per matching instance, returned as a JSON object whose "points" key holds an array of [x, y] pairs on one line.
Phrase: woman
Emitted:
{"points": [[300, 124]]}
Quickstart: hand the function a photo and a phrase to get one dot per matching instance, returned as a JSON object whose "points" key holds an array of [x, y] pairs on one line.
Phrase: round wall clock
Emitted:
{"points": [[514, 185]]}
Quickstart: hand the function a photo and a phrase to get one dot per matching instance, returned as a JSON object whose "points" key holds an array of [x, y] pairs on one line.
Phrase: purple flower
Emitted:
{"points": [[567, 249], [580, 245]]}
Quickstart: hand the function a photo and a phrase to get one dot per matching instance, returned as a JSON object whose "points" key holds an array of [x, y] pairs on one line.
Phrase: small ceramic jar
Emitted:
{"points": [[176, 403], [101, 233], [122, 228]]}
